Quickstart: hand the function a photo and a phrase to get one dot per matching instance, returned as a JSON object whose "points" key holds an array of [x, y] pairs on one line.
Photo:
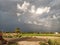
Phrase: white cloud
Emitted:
{"points": [[34, 14], [42, 10], [29, 22], [32, 9], [35, 22], [39, 24], [41, 20], [39, 10], [18, 14], [18, 6], [24, 6], [54, 17]]}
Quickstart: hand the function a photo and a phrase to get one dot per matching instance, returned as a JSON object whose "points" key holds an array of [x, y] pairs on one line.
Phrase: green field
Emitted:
{"points": [[53, 39], [11, 35], [58, 35]]}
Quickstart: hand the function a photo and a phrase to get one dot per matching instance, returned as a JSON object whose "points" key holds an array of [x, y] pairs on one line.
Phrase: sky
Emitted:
{"points": [[30, 15]]}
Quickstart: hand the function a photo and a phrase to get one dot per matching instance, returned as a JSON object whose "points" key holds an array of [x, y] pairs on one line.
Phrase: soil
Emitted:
{"points": [[28, 40]]}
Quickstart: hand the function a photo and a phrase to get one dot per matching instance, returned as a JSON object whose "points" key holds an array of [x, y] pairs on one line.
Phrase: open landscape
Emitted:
{"points": [[31, 39], [29, 22]]}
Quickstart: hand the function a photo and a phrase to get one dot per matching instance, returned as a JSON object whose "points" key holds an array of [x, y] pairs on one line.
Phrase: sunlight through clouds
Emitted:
{"points": [[42, 10], [39, 10], [39, 15], [24, 6]]}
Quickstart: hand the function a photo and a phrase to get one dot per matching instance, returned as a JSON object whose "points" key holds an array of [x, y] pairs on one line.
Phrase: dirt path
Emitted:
{"points": [[29, 40], [28, 43], [25, 39]]}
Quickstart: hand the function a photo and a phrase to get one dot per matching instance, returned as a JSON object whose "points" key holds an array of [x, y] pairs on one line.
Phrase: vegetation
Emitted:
{"points": [[12, 44], [12, 35], [54, 41], [51, 42], [18, 34], [17, 30], [43, 43]]}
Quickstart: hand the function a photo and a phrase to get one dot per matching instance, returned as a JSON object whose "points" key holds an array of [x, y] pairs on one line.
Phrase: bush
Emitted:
{"points": [[53, 42], [50, 42], [9, 36], [43, 43]]}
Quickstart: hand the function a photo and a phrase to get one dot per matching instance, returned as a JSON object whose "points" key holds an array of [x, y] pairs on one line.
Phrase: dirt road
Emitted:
{"points": [[29, 40]]}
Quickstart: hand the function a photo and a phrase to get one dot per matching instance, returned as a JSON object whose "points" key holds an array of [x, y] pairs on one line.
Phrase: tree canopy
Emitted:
{"points": [[17, 30]]}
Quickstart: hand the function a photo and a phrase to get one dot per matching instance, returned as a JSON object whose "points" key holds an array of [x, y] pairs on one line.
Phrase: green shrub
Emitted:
{"points": [[53, 42], [9, 36], [50, 42], [43, 43]]}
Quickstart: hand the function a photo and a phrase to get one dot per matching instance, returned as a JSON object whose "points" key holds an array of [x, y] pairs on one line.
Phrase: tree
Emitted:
{"points": [[17, 30]]}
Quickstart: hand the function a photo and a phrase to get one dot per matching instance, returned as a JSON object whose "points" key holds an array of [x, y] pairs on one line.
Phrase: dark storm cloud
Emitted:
{"points": [[7, 10], [51, 19], [7, 13]]}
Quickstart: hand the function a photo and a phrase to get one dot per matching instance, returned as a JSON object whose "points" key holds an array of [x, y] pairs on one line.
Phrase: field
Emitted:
{"points": [[41, 35], [32, 39], [14, 35]]}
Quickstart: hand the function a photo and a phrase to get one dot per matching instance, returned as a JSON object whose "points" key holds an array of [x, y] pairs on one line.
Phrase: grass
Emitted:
{"points": [[43, 43], [29, 34], [54, 41], [56, 35], [51, 41]]}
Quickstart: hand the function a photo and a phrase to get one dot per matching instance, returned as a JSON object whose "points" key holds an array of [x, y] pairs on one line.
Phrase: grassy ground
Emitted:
{"points": [[12, 35], [52, 41], [55, 41], [58, 35]]}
